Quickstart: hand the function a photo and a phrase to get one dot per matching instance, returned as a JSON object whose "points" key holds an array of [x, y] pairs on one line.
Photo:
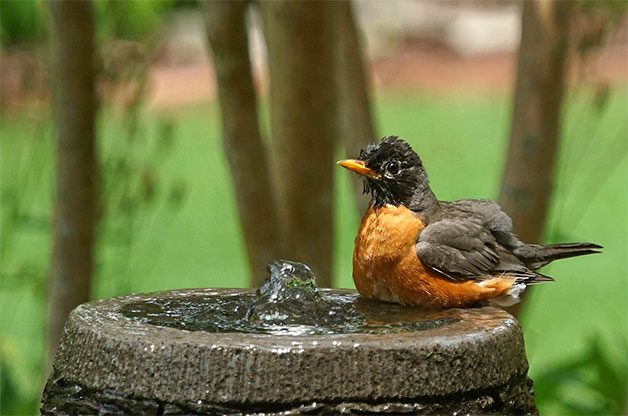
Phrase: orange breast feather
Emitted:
{"points": [[386, 267]]}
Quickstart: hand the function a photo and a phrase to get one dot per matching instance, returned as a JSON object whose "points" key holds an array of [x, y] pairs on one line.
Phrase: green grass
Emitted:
{"points": [[197, 243]]}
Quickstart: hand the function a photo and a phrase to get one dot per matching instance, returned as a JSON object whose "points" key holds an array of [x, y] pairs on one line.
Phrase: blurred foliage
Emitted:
{"points": [[612, 8], [593, 383], [24, 192], [12, 399], [134, 187], [594, 21], [21, 22], [23, 184], [134, 191], [576, 156], [129, 19]]}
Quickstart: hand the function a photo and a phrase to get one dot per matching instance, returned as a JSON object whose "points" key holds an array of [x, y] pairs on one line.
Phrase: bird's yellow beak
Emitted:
{"points": [[358, 166]]}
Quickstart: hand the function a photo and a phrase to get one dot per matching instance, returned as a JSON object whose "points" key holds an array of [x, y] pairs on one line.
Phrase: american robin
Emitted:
{"points": [[416, 250]]}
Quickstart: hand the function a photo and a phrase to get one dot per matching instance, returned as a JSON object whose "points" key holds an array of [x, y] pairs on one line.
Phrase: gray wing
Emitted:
{"points": [[490, 214], [513, 252], [458, 248], [464, 249]]}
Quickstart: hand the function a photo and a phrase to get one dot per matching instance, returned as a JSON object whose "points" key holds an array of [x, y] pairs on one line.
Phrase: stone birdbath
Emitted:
{"points": [[288, 348]]}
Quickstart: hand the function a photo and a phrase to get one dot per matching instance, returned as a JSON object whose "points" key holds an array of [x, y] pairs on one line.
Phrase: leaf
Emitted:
{"points": [[593, 383]]}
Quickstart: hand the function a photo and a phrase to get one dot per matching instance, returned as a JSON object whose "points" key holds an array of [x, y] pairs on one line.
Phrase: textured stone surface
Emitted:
{"points": [[476, 364]]}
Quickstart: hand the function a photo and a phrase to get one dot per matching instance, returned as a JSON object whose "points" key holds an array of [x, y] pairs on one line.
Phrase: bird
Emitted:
{"points": [[415, 250]]}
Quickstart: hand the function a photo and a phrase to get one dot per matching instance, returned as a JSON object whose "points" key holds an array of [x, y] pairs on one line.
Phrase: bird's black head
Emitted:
{"points": [[392, 172]]}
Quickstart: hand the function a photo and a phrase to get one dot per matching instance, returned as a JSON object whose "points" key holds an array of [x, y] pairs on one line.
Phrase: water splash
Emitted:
{"points": [[289, 296]]}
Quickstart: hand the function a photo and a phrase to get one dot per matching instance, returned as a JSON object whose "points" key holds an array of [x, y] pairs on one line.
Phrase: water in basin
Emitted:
{"points": [[289, 303]]}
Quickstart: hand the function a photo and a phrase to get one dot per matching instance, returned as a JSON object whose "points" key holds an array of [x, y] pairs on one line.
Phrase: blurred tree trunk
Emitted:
{"points": [[227, 36], [300, 38], [75, 106], [535, 130], [356, 120]]}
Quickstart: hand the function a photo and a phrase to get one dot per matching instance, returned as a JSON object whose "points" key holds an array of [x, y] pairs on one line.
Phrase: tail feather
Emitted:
{"points": [[553, 252], [539, 278], [530, 277]]}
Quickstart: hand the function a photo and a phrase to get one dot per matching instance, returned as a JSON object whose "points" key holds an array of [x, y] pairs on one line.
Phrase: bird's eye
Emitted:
{"points": [[393, 167]]}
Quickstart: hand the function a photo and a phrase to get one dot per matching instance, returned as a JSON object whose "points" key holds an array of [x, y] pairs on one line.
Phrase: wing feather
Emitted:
{"points": [[458, 248], [464, 249]]}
